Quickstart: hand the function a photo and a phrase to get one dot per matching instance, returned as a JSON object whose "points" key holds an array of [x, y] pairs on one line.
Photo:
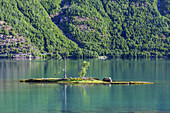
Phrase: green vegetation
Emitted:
{"points": [[30, 19], [117, 28], [164, 7], [84, 67], [90, 28], [12, 43], [51, 6], [89, 80]]}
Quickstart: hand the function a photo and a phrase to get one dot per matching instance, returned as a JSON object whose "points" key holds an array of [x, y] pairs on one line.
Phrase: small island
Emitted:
{"points": [[82, 79], [88, 80]]}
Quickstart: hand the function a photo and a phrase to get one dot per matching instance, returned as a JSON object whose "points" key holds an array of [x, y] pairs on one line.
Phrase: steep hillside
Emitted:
{"points": [[12, 43], [77, 28], [125, 28], [30, 19]]}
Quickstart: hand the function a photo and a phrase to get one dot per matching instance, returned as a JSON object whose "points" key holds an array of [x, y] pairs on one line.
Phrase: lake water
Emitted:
{"points": [[16, 97]]}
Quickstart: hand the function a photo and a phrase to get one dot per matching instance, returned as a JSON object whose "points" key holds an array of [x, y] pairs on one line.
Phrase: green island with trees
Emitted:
{"points": [[82, 79], [85, 28]]}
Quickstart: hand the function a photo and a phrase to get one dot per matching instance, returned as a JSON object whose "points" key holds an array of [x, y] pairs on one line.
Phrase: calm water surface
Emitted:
{"points": [[16, 97]]}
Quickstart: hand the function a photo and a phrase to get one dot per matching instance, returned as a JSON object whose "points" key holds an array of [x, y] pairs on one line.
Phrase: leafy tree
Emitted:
{"points": [[6, 32], [84, 67], [13, 33]]}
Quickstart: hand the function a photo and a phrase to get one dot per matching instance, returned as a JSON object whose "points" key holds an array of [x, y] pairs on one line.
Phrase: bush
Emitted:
{"points": [[6, 32]]}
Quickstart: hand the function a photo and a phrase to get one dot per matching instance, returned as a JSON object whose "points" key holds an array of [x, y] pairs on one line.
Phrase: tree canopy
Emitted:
{"points": [[84, 67]]}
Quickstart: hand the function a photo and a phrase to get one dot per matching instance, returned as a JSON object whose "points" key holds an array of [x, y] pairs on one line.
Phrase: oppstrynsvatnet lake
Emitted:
{"points": [[16, 97]]}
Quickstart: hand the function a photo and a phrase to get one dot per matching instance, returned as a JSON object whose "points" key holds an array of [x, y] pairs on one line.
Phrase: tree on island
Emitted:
{"points": [[64, 69], [84, 67], [64, 54], [65, 76]]}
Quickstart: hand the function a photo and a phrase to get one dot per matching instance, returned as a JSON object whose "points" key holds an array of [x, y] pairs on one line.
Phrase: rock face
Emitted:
{"points": [[107, 79]]}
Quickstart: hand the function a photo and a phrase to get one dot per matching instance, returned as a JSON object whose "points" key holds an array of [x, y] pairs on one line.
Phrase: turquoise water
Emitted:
{"points": [[16, 97]]}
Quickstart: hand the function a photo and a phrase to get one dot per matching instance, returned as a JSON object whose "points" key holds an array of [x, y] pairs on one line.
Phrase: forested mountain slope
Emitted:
{"points": [[30, 19], [115, 28], [14, 43]]}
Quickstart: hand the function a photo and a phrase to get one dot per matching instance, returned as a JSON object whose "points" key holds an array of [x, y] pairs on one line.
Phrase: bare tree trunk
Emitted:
{"points": [[65, 76]]}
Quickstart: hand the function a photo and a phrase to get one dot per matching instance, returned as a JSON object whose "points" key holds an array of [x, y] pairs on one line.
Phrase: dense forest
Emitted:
{"points": [[92, 28]]}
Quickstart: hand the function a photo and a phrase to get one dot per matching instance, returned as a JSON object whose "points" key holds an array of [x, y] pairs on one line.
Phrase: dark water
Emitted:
{"points": [[16, 97]]}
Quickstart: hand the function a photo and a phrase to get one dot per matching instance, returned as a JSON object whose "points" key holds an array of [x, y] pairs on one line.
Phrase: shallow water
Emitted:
{"points": [[16, 97]]}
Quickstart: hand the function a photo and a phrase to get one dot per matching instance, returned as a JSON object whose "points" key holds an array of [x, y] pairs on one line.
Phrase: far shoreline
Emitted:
{"points": [[73, 58]]}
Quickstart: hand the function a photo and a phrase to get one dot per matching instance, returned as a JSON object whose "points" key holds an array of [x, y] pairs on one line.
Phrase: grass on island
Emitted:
{"points": [[88, 80], [62, 80]]}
